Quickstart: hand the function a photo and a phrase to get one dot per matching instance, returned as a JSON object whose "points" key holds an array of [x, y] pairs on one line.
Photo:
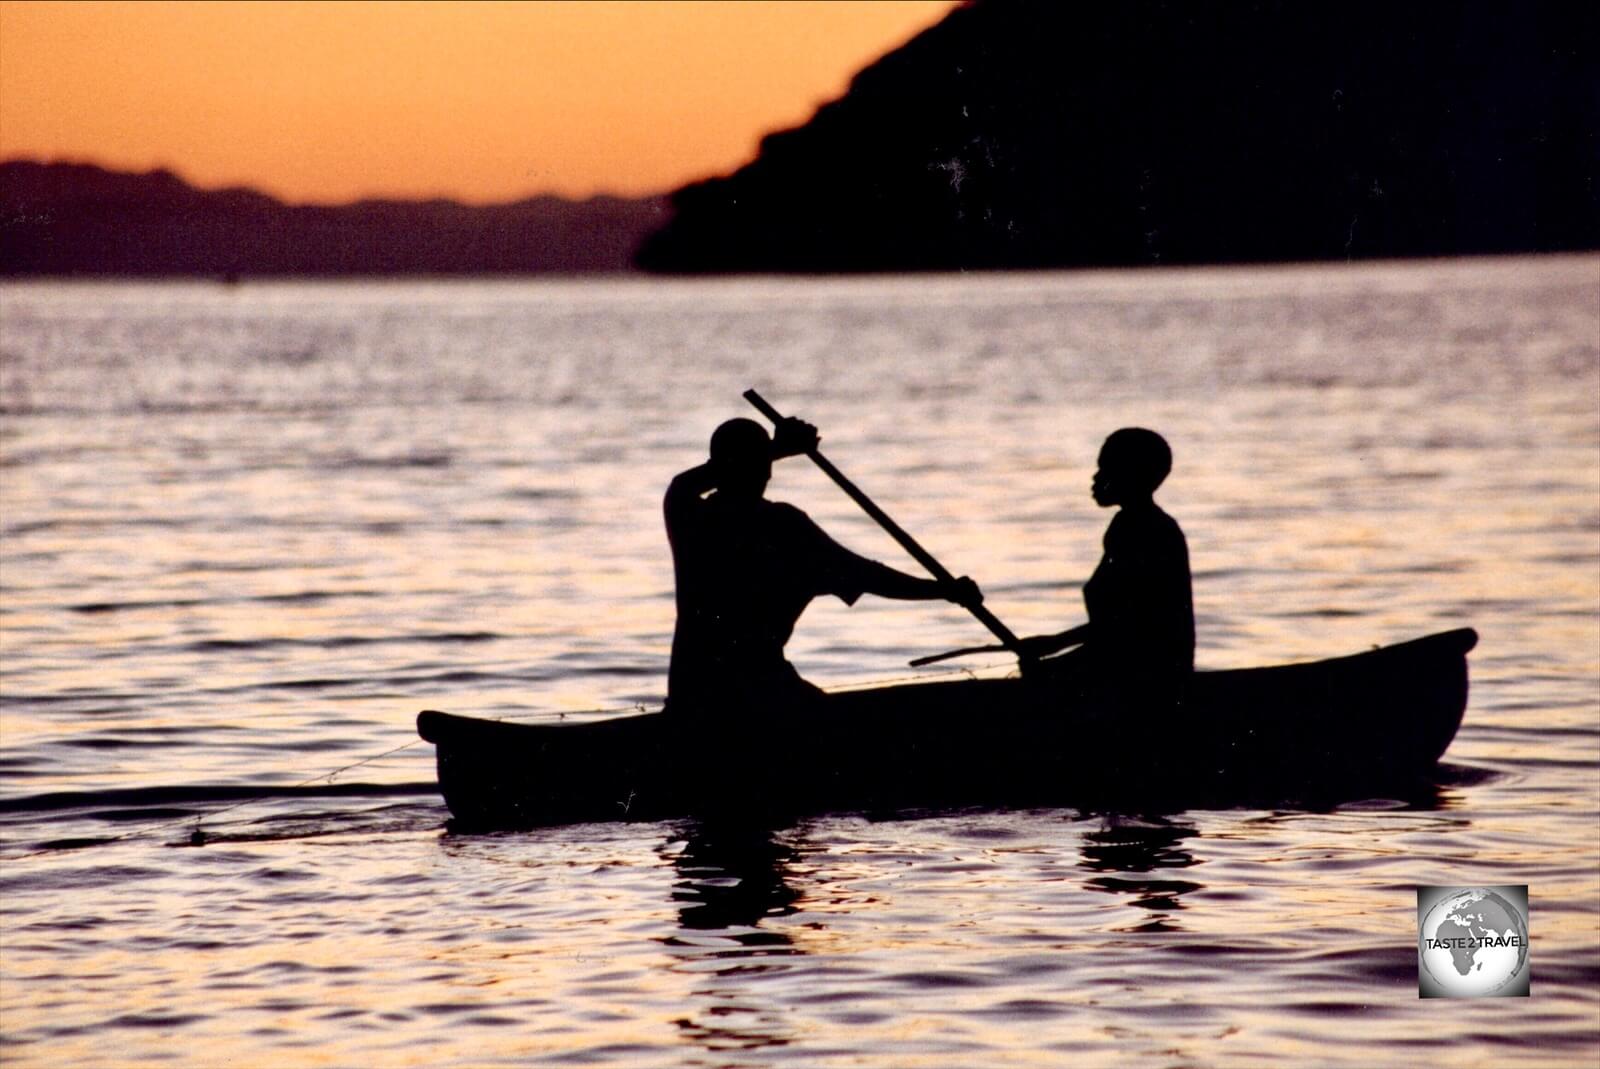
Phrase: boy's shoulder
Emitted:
{"points": [[1143, 524]]}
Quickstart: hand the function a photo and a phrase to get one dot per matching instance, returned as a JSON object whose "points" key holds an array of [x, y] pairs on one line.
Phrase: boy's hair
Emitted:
{"points": [[1140, 454]]}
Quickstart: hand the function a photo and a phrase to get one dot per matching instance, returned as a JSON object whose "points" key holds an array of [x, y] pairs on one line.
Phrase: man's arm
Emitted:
{"points": [[849, 574], [690, 486], [792, 437], [683, 495], [886, 582]]}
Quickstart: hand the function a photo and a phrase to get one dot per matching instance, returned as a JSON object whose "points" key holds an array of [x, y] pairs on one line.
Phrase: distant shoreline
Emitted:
{"points": [[82, 220]]}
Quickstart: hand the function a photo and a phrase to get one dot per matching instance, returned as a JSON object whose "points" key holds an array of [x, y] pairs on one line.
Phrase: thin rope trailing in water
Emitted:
{"points": [[346, 768], [197, 838]]}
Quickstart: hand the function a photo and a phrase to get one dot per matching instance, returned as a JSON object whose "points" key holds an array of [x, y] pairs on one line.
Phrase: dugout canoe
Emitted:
{"points": [[1373, 724]]}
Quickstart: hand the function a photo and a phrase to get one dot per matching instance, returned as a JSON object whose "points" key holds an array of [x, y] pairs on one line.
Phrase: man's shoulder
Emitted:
{"points": [[789, 519], [776, 519], [780, 512]]}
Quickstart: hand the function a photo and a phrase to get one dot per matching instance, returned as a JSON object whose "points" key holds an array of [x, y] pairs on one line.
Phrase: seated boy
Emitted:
{"points": [[1138, 645]]}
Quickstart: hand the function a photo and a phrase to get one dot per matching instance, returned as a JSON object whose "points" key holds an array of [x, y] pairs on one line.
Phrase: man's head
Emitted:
{"points": [[1133, 462], [741, 456]]}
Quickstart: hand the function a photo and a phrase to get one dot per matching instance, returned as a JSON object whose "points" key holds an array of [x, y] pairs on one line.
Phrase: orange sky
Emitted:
{"points": [[328, 102]]}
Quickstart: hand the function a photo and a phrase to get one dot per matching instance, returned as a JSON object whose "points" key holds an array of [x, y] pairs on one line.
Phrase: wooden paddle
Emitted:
{"points": [[1000, 631], [964, 651], [967, 651]]}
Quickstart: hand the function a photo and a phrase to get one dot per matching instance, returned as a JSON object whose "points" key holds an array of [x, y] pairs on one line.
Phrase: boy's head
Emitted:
{"points": [[741, 455], [1133, 463]]}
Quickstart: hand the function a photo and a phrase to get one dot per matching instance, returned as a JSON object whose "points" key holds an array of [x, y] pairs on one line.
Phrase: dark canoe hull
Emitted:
{"points": [[1341, 729]]}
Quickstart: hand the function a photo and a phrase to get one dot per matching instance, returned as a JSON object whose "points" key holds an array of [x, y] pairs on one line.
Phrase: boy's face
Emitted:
{"points": [[1104, 487]]}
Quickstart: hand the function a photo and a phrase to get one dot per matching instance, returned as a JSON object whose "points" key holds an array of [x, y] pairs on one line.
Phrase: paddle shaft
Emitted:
{"points": [[909, 544], [964, 651]]}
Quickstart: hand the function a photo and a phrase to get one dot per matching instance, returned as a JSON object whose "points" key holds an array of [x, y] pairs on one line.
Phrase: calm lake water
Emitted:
{"points": [[249, 532]]}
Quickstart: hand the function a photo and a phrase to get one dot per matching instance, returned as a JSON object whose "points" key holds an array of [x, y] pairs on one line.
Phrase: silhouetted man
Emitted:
{"points": [[747, 567], [1139, 641]]}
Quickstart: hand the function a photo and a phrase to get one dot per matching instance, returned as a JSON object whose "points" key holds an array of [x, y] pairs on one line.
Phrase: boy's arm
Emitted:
{"points": [[1038, 646]]}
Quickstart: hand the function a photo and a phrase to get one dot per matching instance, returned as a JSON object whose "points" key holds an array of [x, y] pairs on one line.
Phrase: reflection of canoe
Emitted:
{"points": [[1342, 729]]}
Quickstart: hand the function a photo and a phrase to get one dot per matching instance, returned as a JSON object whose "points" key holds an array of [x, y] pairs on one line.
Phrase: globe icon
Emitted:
{"points": [[1475, 942]]}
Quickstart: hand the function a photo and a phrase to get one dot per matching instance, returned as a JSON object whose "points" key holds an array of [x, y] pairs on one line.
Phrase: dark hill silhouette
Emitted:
{"points": [[1021, 133], [78, 219]]}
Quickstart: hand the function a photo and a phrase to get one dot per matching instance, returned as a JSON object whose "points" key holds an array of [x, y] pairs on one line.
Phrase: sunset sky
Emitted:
{"points": [[330, 102]]}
